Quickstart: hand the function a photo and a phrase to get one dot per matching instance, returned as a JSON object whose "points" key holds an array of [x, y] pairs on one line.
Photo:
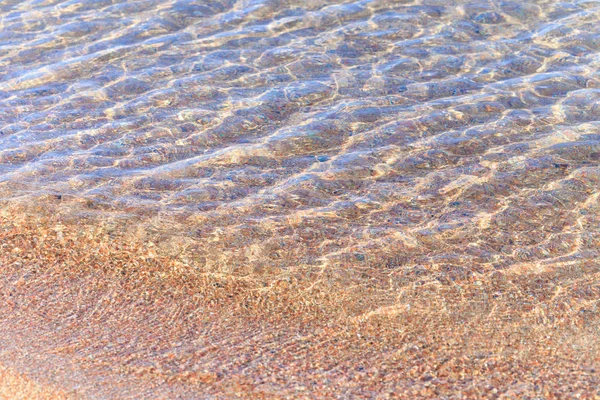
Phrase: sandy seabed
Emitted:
{"points": [[299, 199], [92, 309]]}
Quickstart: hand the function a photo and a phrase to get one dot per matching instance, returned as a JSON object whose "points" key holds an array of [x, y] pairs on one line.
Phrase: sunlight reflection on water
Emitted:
{"points": [[430, 131]]}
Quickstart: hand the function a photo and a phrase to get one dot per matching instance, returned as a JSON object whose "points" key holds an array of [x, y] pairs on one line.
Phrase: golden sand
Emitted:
{"points": [[17, 386], [94, 312]]}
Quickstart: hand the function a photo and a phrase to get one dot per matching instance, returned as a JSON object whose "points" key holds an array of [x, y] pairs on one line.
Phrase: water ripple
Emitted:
{"points": [[435, 132]]}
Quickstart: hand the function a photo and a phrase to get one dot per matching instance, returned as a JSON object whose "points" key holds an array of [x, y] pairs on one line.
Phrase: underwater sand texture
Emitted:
{"points": [[285, 199]]}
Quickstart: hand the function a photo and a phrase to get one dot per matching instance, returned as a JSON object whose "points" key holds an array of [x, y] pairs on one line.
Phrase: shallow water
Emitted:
{"points": [[400, 133]]}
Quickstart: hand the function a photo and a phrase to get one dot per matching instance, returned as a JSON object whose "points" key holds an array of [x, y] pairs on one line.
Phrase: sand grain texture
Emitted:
{"points": [[100, 316]]}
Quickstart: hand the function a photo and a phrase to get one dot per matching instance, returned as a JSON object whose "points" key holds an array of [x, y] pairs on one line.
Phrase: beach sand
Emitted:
{"points": [[91, 311]]}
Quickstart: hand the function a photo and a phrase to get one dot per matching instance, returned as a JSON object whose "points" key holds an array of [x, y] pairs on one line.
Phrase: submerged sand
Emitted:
{"points": [[299, 199], [92, 311]]}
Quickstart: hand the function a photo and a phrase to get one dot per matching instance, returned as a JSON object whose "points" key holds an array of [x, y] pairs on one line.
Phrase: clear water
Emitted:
{"points": [[405, 132]]}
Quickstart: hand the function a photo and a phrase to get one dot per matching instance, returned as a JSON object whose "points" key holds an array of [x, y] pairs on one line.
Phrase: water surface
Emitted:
{"points": [[455, 134]]}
